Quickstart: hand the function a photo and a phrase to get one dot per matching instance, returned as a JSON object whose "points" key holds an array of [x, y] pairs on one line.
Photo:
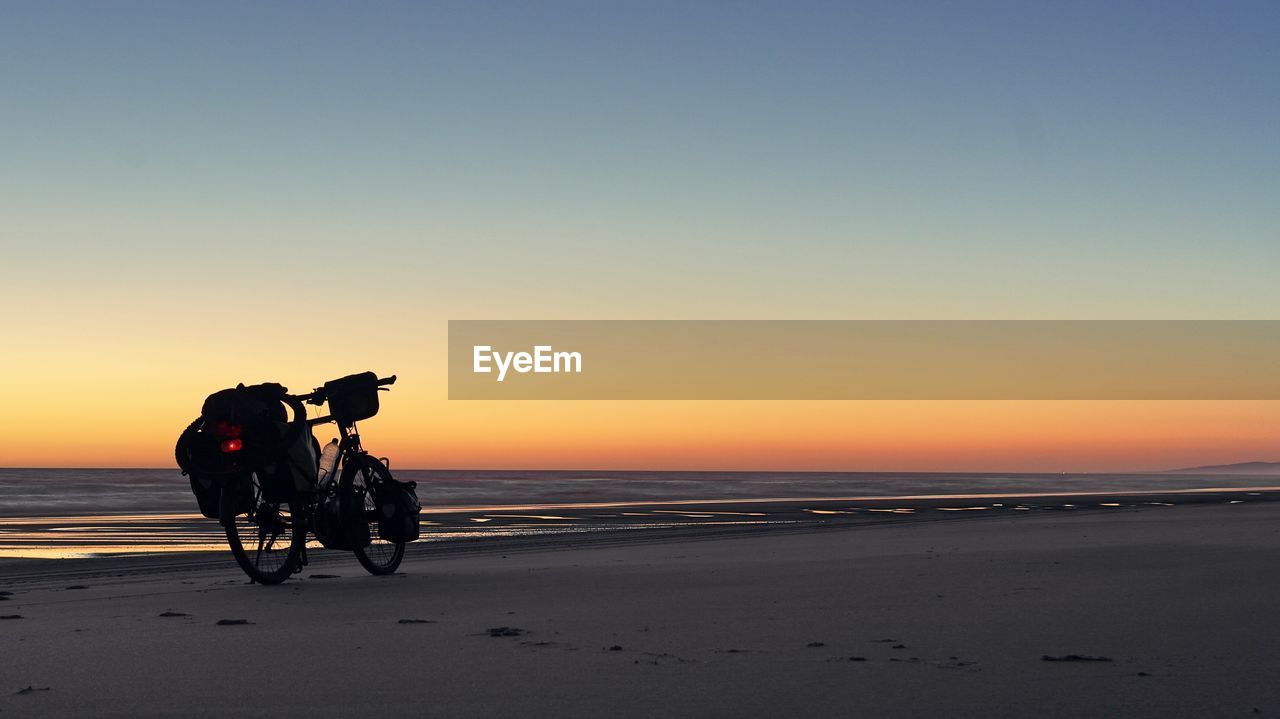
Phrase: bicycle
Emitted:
{"points": [[267, 517]]}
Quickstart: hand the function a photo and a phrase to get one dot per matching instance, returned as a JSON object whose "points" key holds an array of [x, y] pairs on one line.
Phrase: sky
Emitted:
{"points": [[197, 194]]}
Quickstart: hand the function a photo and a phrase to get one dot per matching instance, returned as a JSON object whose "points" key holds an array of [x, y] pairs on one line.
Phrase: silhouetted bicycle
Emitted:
{"points": [[267, 516]]}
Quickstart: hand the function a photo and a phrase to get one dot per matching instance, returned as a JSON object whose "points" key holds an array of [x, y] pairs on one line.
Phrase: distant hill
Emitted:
{"points": [[1261, 468]]}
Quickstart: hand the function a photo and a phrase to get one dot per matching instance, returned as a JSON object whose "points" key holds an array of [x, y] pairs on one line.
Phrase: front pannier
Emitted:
{"points": [[353, 398], [398, 511], [339, 526]]}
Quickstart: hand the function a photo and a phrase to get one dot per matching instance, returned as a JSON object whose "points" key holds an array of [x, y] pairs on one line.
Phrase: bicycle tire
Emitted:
{"points": [[378, 556], [266, 517]]}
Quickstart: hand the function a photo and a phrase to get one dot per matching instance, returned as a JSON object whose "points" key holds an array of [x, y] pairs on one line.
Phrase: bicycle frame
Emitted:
{"points": [[348, 442]]}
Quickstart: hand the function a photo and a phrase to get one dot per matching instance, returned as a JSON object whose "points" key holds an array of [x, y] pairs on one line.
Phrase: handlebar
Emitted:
{"points": [[321, 394]]}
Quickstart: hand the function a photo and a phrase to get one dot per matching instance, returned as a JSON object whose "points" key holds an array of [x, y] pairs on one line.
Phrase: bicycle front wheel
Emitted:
{"points": [[266, 537], [357, 488]]}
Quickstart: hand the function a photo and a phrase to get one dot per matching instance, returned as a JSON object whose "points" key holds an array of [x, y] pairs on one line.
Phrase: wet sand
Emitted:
{"points": [[1152, 610], [105, 534]]}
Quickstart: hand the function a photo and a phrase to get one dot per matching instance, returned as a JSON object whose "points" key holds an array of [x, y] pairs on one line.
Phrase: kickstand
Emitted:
{"points": [[302, 560]]}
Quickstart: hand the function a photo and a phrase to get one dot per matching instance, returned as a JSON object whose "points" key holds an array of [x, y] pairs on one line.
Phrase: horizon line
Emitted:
{"points": [[721, 471]]}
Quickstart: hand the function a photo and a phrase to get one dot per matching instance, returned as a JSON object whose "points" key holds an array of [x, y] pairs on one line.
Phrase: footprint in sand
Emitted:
{"points": [[1073, 658], [29, 689]]}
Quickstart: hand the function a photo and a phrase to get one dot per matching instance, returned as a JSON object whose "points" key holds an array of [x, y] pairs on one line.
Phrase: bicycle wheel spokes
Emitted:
{"points": [[379, 551], [262, 538], [358, 488]]}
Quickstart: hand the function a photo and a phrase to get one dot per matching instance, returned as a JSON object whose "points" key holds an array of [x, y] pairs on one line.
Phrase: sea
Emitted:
{"points": [[89, 492], [59, 513]]}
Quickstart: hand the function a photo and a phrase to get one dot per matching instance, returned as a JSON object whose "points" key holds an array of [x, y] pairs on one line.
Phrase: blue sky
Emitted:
{"points": [[917, 149]]}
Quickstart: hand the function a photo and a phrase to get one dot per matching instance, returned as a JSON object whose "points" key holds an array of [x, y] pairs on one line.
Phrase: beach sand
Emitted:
{"points": [[945, 618]]}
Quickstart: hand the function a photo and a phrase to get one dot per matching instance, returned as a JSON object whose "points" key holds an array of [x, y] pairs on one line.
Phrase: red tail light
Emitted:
{"points": [[226, 429], [231, 445]]}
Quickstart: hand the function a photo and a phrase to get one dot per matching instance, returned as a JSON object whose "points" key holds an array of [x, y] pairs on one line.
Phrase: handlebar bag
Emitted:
{"points": [[398, 510], [353, 398]]}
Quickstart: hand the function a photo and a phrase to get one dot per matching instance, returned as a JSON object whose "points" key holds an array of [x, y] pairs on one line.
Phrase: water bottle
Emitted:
{"points": [[328, 458]]}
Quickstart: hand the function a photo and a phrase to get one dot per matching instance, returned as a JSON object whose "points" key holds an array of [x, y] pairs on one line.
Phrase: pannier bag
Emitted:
{"points": [[207, 468], [292, 474], [255, 420], [353, 398], [253, 415], [398, 510], [208, 492], [339, 527]]}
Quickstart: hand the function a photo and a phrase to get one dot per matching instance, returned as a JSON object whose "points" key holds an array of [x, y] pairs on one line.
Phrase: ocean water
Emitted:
{"points": [[79, 513], [93, 492]]}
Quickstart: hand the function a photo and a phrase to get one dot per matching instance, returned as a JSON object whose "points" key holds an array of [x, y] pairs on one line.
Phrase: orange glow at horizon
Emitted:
{"points": [[420, 431], [101, 390]]}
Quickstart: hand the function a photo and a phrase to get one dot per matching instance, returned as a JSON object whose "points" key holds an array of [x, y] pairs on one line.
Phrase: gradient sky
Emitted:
{"points": [[194, 194]]}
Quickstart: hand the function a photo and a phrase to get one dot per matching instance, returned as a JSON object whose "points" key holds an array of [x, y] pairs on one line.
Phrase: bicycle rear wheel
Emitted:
{"points": [[360, 478], [266, 537]]}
